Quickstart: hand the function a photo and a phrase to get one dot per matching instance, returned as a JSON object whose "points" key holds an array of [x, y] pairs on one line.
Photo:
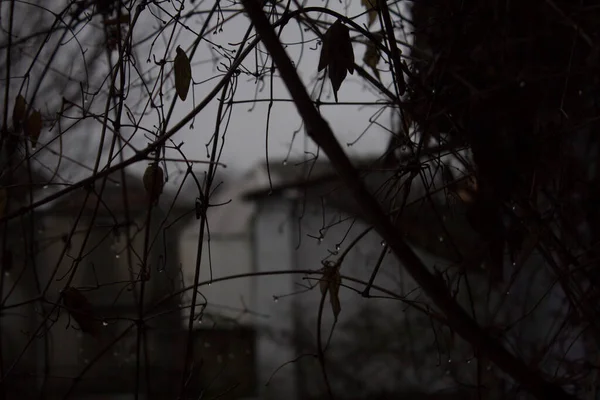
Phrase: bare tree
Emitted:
{"points": [[491, 167]]}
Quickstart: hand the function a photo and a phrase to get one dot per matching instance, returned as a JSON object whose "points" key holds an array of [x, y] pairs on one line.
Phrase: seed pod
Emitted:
{"points": [[183, 74], [153, 182]]}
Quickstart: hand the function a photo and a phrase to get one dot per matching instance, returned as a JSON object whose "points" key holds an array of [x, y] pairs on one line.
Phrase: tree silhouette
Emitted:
{"points": [[491, 166]]}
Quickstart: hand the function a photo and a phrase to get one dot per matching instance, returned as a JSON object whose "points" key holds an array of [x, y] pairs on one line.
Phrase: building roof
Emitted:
{"points": [[293, 174], [429, 221]]}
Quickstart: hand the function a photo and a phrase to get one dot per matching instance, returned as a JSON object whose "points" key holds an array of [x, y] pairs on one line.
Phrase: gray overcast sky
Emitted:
{"points": [[245, 137]]}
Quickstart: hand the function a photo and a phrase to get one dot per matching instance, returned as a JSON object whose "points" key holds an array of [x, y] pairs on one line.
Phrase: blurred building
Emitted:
{"points": [[104, 241]]}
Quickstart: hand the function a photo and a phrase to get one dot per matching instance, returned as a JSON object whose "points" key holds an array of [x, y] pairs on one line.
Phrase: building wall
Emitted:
{"points": [[104, 276], [380, 343]]}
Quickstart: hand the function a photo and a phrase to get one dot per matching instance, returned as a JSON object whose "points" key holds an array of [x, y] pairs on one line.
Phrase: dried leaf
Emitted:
{"points": [[337, 55], [19, 112], [334, 290], [324, 57], [372, 56], [183, 74], [153, 182], [33, 127], [331, 281], [80, 310], [323, 284], [370, 5]]}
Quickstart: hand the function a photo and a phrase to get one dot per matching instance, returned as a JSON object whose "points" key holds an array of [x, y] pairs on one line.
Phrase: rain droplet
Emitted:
{"points": [[514, 264], [337, 247], [449, 360], [117, 256], [580, 92], [320, 239], [284, 162], [45, 187], [275, 299], [7, 274], [522, 84], [468, 361], [104, 323], [382, 243], [441, 238], [507, 292]]}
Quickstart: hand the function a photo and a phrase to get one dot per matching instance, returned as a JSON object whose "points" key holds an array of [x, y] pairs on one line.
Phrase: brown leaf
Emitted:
{"points": [[331, 281], [80, 310], [183, 74], [153, 182], [334, 290], [33, 127], [372, 56], [324, 58], [324, 284], [370, 5], [19, 112], [337, 55]]}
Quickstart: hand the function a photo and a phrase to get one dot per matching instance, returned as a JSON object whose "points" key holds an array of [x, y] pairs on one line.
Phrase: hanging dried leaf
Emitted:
{"points": [[33, 127], [337, 55], [80, 310], [153, 182], [183, 74], [19, 112], [370, 5], [372, 55], [331, 281]]}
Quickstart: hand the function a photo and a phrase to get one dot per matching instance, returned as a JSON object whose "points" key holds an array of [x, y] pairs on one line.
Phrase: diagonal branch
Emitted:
{"points": [[319, 131]]}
